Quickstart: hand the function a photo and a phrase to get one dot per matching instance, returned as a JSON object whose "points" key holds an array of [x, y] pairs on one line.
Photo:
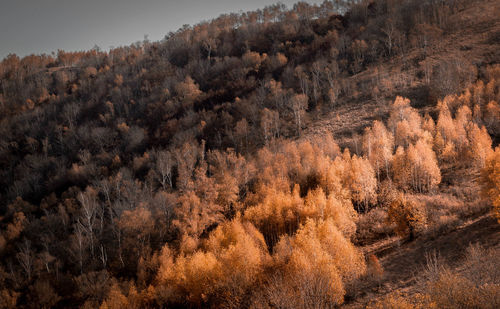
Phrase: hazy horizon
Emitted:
{"points": [[45, 26]]}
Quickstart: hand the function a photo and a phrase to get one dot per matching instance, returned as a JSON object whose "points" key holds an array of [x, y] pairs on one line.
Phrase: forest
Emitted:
{"points": [[307, 157]]}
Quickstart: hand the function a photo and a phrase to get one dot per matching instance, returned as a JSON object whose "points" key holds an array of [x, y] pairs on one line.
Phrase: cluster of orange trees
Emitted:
{"points": [[289, 240], [272, 229]]}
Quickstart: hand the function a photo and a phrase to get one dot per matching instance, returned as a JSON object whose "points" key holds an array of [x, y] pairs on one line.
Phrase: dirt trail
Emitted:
{"points": [[403, 262]]}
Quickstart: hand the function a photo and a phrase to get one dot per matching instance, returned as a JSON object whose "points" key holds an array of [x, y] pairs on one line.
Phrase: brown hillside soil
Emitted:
{"points": [[403, 263]]}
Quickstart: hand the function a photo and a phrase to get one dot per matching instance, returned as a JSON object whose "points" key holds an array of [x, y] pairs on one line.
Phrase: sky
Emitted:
{"points": [[43, 26]]}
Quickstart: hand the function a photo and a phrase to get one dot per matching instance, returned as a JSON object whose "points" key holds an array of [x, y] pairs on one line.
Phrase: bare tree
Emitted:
{"points": [[299, 106], [88, 200], [164, 165], [25, 258], [390, 32]]}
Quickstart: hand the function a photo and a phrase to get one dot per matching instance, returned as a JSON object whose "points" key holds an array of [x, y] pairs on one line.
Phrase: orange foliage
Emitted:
{"points": [[378, 144], [490, 179], [416, 167], [15, 228], [408, 215], [233, 258], [8, 298], [405, 122], [318, 258], [188, 91], [359, 178], [192, 217]]}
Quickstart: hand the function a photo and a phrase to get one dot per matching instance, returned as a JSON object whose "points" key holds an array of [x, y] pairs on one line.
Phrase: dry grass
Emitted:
{"points": [[407, 265]]}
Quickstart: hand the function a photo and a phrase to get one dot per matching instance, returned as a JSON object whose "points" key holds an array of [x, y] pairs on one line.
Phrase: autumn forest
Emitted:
{"points": [[317, 156]]}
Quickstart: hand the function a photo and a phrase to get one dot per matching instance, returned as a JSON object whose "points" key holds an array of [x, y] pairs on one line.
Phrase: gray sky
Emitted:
{"points": [[43, 26]]}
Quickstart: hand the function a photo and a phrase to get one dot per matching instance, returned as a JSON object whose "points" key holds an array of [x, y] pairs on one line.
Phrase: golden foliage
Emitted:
{"points": [[378, 144], [480, 146], [359, 178], [416, 167], [408, 215], [115, 299], [277, 213], [192, 216], [490, 179], [341, 212], [188, 91], [461, 138], [316, 262], [229, 170], [405, 122], [253, 59], [231, 261]]}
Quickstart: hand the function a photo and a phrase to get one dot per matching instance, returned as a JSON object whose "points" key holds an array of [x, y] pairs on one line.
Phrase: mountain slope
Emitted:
{"points": [[276, 158]]}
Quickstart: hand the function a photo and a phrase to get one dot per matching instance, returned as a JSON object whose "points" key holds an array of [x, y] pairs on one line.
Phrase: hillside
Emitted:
{"points": [[405, 263], [475, 41], [320, 156]]}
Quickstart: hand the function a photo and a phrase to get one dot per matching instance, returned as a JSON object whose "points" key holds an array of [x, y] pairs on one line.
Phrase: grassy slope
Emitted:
{"points": [[403, 262], [474, 35]]}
